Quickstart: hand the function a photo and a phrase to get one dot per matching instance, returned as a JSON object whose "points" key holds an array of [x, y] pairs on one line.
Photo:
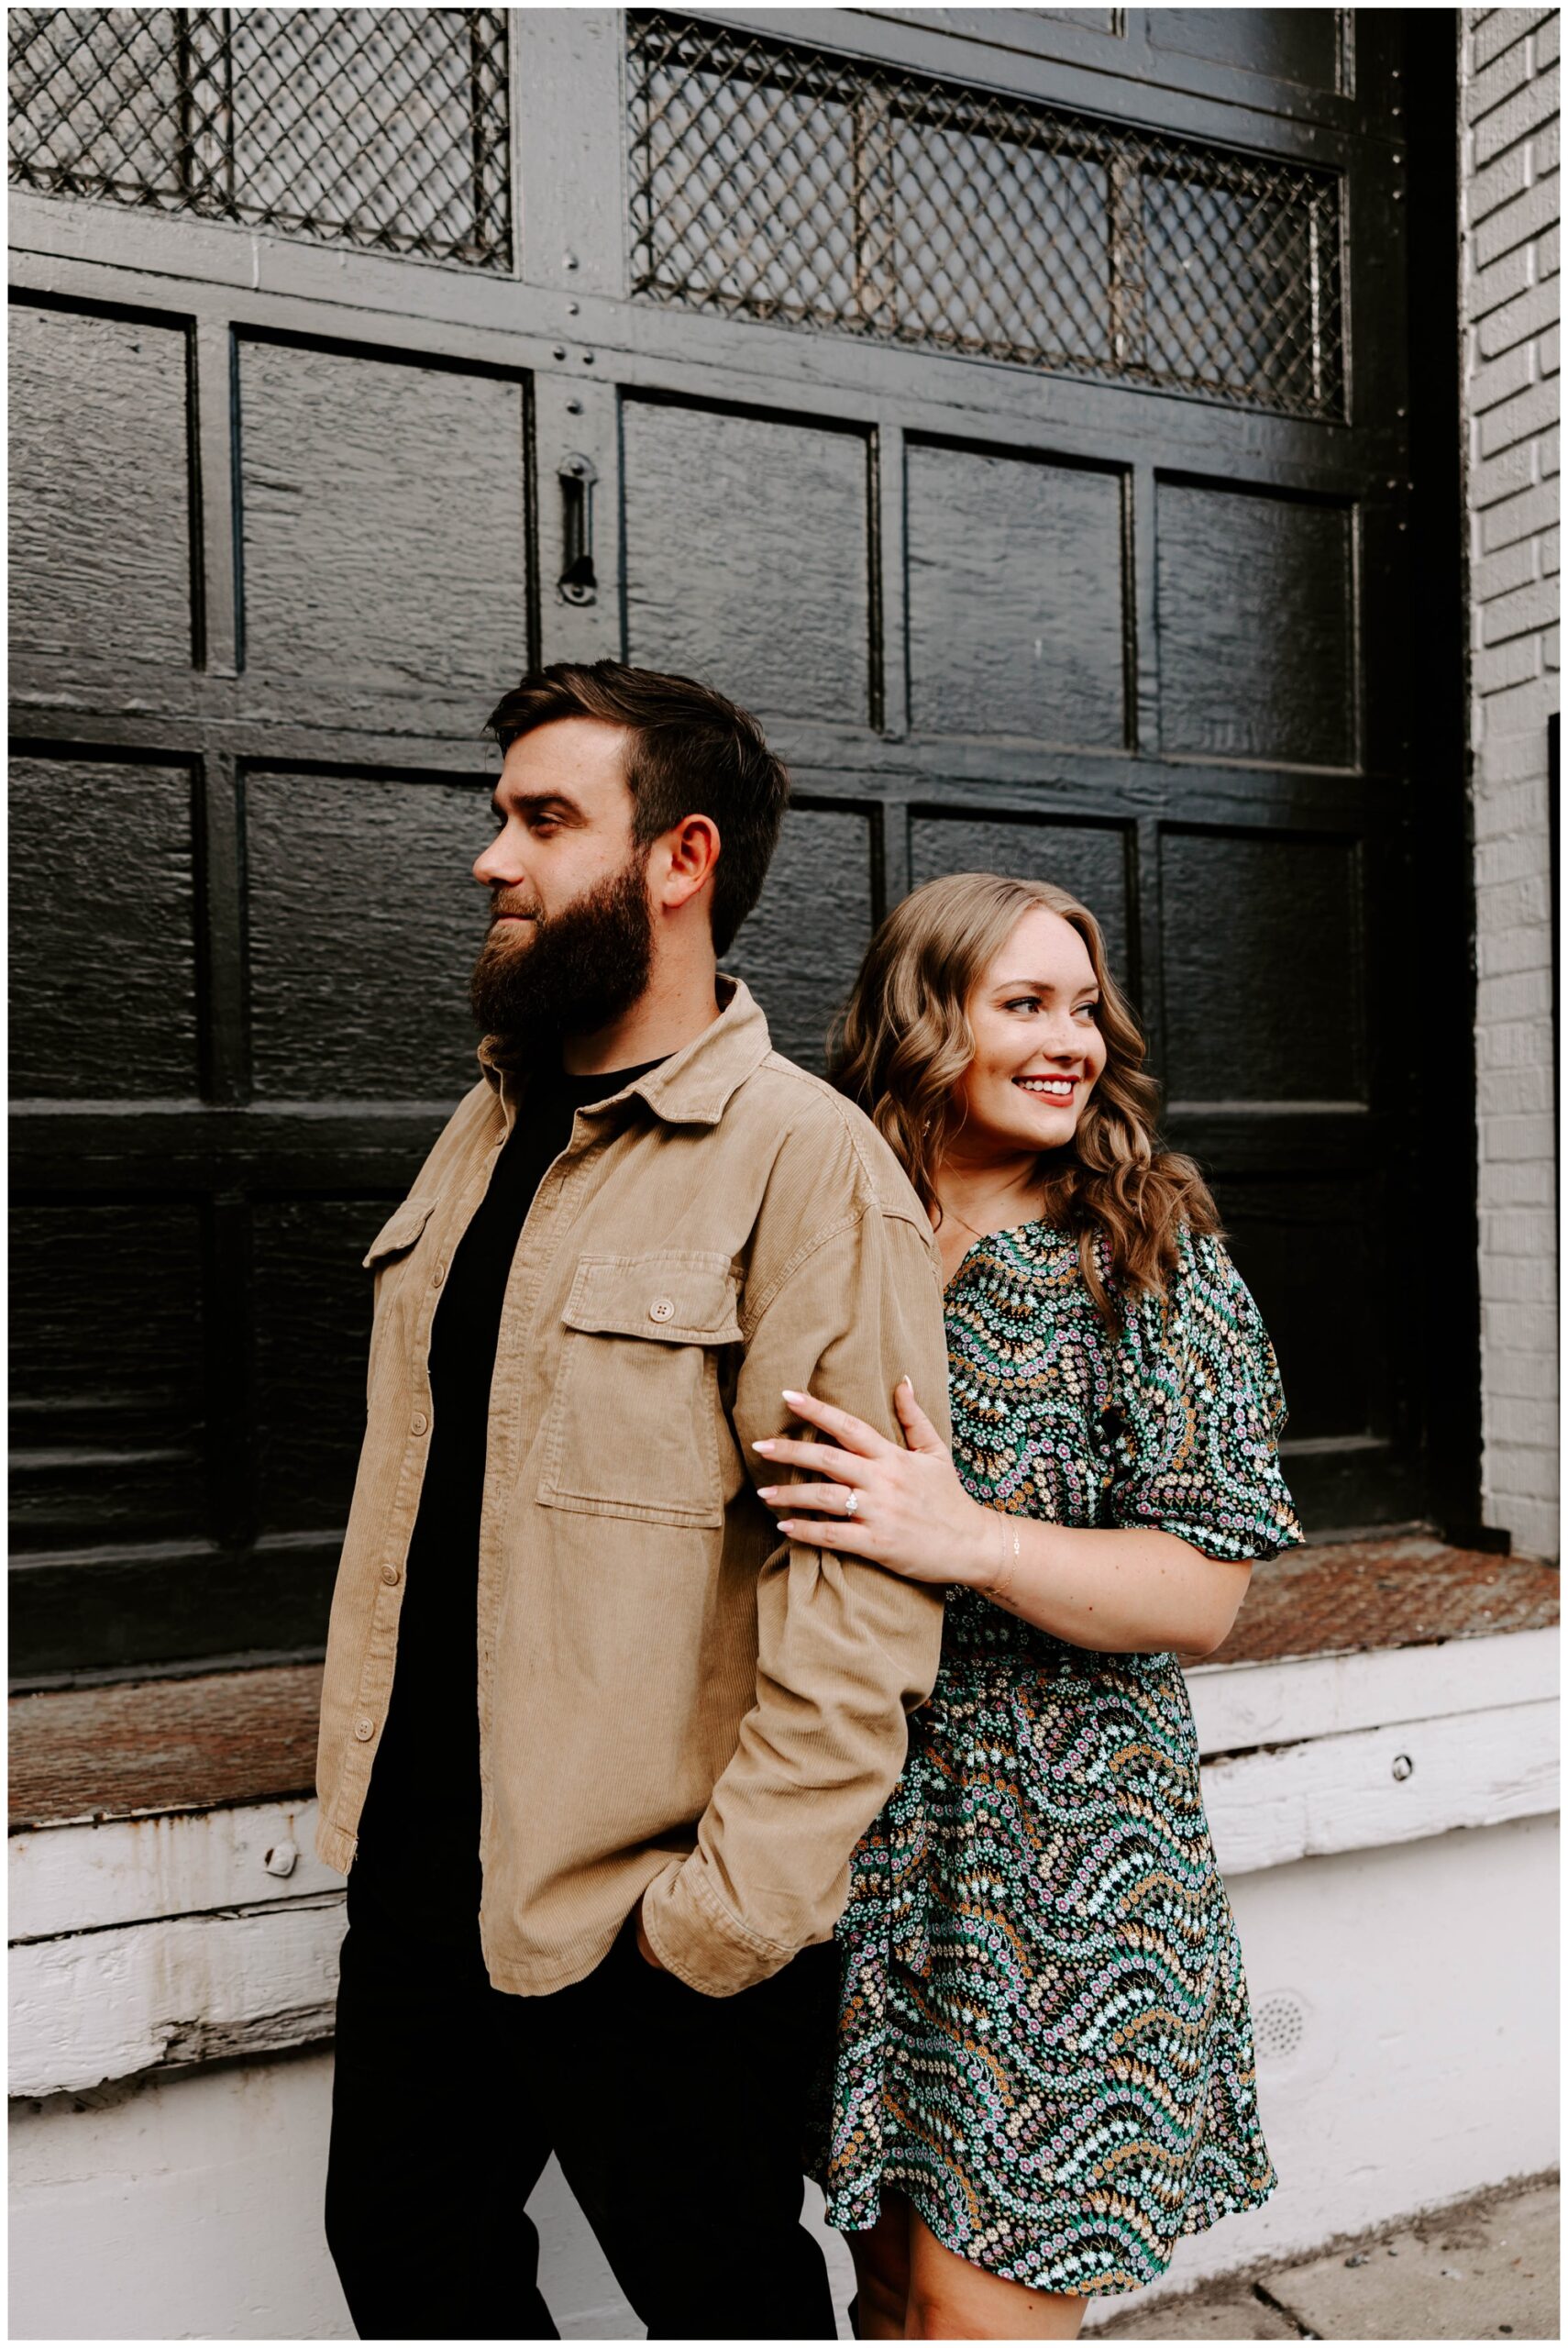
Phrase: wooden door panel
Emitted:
{"points": [[313, 1326], [385, 540], [1301, 1247], [364, 921], [747, 557], [103, 931], [107, 1371], [1262, 966], [1089, 859], [1015, 598], [100, 512], [1256, 643], [1299, 45], [800, 951]]}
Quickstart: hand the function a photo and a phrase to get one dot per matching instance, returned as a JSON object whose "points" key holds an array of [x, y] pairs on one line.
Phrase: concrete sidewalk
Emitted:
{"points": [[1484, 2269]]}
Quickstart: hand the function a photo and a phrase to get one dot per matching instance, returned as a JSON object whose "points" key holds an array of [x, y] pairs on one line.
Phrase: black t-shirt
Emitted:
{"points": [[419, 1830]]}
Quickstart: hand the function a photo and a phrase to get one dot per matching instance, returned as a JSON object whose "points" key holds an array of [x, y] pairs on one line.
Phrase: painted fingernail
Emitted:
{"points": [[793, 1394], [765, 1443], [768, 1491]]}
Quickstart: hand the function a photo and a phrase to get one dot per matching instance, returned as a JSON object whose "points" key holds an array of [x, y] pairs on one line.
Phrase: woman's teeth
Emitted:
{"points": [[1051, 1088]]}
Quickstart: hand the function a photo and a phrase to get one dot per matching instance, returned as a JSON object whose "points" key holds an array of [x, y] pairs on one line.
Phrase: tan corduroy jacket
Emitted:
{"points": [[672, 1698]]}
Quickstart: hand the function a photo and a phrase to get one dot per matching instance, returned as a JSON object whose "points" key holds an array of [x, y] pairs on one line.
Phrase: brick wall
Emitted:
{"points": [[1510, 261]]}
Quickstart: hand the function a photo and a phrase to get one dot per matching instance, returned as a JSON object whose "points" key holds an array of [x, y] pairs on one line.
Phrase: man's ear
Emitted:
{"points": [[692, 847]]}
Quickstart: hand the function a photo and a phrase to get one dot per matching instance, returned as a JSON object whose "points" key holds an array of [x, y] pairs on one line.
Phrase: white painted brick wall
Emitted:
{"points": [[1510, 236]]}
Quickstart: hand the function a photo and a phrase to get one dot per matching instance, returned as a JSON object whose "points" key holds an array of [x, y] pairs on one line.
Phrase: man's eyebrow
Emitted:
{"points": [[534, 803]]}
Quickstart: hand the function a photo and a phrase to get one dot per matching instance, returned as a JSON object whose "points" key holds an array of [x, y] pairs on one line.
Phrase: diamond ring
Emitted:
{"points": [[852, 1503]]}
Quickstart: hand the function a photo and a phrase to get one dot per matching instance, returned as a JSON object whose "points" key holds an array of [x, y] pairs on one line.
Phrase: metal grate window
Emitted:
{"points": [[771, 180], [384, 127]]}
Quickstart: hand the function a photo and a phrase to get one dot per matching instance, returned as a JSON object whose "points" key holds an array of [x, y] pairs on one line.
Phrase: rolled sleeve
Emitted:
{"points": [[845, 1648]]}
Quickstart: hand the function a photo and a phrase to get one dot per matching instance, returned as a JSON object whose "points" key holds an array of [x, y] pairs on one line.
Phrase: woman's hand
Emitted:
{"points": [[900, 1507]]}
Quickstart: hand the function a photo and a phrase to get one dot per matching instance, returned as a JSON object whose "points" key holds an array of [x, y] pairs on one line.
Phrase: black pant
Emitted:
{"points": [[676, 2119]]}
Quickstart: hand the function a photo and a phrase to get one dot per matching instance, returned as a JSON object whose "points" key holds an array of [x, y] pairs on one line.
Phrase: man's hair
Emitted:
{"points": [[691, 753]]}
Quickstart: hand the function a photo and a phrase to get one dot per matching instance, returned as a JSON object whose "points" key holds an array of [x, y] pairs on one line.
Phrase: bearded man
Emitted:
{"points": [[596, 1745]]}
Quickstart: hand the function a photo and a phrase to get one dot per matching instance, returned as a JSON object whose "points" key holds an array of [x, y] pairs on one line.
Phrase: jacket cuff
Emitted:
{"points": [[698, 1939]]}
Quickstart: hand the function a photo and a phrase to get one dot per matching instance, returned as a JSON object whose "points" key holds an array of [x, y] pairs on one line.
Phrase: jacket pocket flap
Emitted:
{"points": [[679, 1299], [399, 1232]]}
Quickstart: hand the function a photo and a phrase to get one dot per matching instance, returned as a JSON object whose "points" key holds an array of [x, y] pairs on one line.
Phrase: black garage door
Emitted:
{"points": [[1016, 409]]}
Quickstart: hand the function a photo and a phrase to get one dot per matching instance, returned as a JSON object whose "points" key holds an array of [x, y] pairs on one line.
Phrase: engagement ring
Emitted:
{"points": [[852, 1503]]}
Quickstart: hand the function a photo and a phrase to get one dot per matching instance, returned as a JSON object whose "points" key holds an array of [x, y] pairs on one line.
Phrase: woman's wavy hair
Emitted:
{"points": [[904, 1041]]}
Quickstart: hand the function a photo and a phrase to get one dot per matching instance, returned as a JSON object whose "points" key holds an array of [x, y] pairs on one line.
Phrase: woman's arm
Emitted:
{"points": [[1125, 1593], [1120, 1592]]}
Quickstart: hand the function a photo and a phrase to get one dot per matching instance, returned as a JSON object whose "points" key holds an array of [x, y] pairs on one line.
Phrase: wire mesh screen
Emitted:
{"points": [[384, 127], [771, 180]]}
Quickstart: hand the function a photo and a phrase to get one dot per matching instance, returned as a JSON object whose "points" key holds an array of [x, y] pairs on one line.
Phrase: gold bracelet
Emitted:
{"points": [[1015, 1548]]}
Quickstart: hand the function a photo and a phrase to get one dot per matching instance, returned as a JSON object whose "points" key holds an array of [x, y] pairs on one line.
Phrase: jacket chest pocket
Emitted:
{"points": [[401, 1232], [634, 1424]]}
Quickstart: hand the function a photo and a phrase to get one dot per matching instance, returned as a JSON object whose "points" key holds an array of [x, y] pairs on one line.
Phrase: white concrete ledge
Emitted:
{"points": [[1380, 1786], [1239, 1705], [140, 1943], [80, 1879]]}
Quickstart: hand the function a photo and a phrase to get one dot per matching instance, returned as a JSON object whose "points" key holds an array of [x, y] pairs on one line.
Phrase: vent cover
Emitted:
{"points": [[1279, 2025], [778, 182]]}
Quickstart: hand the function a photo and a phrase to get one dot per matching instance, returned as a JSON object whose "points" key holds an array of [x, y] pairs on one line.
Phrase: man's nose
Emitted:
{"points": [[495, 867]]}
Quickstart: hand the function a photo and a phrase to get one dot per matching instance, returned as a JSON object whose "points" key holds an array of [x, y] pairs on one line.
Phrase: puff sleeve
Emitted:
{"points": [[1200, 1412]]}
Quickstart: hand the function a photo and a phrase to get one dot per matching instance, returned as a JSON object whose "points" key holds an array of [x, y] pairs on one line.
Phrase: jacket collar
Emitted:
{"points": [[695, 1085]]}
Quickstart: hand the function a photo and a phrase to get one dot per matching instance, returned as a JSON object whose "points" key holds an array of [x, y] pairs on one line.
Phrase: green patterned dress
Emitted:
{"points": [[1045, 2042]]}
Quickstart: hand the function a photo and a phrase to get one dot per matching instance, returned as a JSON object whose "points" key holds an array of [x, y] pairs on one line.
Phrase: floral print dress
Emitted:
{"points": [[1044, 2042]]}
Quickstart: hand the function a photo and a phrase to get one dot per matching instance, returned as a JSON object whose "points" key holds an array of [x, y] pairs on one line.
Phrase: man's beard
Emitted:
{"points": [[585, 966]]}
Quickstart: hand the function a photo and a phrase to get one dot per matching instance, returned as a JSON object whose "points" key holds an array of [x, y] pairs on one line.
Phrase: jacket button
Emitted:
{"points": [[661, 1309], [391, 1575], [437, 1276], [418, 1424], [364, 1731]]}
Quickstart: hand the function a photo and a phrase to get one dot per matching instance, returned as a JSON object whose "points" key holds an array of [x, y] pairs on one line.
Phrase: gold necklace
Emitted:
{"points": [[968, 1225]]}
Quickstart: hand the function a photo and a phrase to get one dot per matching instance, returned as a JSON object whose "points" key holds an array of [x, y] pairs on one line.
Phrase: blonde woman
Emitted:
{"points": [[1044, 2067]]}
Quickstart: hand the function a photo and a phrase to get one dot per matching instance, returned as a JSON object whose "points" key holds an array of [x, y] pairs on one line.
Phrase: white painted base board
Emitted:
{"points": [[1407, 2013], [146, 1941]]}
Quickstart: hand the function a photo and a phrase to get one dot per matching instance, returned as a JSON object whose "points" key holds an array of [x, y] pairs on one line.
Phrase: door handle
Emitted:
{"points": [[577, 583]]}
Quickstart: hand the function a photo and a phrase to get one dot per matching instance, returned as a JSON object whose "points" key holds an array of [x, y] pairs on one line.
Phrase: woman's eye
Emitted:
{"points": [[1087, 1010], [1024, 1003]]}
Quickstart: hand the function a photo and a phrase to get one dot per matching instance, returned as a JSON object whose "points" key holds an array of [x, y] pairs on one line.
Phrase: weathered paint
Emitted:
{"points": [[1237, 1706], [1353, 1595], [138, 1870], [108, 2005], [162, 1745]]}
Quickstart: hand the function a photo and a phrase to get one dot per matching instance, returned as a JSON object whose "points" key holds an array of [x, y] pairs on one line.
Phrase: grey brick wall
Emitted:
{"points": [[1510, 261]]}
